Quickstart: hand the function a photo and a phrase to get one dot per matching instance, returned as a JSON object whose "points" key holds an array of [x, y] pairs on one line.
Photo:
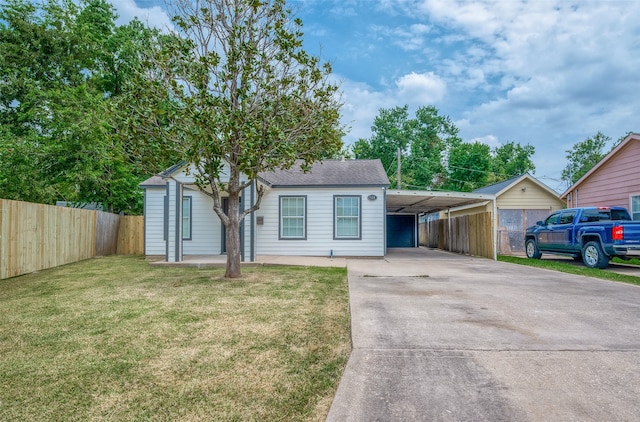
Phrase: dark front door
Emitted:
{"points": [[401, 231], [223, 246]]}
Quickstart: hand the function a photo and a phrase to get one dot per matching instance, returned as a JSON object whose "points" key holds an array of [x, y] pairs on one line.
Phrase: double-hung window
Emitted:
{"points": [[293, 215], [635, 207], [347, 217]]}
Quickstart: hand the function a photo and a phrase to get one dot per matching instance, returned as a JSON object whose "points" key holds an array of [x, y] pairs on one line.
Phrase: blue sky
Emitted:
{"points": [[548, 73]]}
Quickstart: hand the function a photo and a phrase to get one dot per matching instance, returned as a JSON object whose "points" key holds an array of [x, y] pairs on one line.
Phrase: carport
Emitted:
{"points": [[404, 208]]}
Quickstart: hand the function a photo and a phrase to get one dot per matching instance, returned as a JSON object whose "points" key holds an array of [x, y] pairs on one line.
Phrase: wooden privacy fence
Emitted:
{"points": [[34, 237], [468, 234]]}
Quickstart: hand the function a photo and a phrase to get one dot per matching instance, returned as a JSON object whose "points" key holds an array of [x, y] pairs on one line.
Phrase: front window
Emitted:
{"points": [[347, 217], [186, 218], [293, 211], [635, 207]]}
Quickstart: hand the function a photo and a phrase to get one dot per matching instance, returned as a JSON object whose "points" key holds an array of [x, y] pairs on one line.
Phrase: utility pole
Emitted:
{"points": [[399, 156]]}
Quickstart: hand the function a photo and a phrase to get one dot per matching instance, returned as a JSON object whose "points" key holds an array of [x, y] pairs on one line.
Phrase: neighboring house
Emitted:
{"points": [[337, 208], [614, 181], [520, 202]]}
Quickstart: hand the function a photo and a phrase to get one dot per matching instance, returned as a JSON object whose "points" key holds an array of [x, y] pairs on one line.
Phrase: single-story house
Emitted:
{"points": [[614, 181], [337, 208], [520, 202]]}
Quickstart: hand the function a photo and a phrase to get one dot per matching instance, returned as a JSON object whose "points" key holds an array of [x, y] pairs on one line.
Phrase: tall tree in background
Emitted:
{"points": [[583, 156], [511, 160], [62, 64], [469, 166], [236, 90], [423, 142]]}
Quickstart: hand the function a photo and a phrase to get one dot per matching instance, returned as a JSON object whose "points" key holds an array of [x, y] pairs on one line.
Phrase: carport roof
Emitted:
{"points": [[419, 201]]}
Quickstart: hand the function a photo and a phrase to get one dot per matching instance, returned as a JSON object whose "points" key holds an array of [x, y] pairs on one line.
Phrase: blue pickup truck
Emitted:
{"points": [[593, 235]]}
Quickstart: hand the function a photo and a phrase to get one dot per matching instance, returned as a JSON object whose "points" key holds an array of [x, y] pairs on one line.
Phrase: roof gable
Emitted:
{"points": [[499, 188]]}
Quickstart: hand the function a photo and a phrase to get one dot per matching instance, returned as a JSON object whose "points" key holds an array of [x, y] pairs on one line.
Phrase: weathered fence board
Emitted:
{"points": [[34, 237], [467, 234], [106, 233]]}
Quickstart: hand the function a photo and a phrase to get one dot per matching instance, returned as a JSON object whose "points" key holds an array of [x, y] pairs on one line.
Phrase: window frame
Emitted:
{"points": [[281, 218], [632, 211], [336, 236], [567, 217], [189, 200]]}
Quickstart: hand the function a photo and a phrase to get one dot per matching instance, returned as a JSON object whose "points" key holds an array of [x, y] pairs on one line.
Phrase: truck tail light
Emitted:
{"points": [[617, 233]]}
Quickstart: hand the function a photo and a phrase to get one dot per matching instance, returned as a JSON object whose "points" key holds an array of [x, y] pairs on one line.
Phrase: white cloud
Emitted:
{"points": [[421, 88], [553, 72], [154, 16], [362, 103]]}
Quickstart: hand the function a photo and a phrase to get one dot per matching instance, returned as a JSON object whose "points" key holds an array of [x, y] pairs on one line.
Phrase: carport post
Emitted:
{"points": [[495, 229], [449, 229]]}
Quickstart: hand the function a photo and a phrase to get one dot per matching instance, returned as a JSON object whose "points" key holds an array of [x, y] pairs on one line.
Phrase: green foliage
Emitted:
{"points": [[511, 160], [62, 66], [433, 156], [583, 156], [235, 88], [469, 166], [423, 141]]}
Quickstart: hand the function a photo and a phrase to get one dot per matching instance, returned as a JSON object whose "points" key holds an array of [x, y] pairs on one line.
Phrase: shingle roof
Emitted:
{"points": [[153, 181], [497, 187], [330, 173]]}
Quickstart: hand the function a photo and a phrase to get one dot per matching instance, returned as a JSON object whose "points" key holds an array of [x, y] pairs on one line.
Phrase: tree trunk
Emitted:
{"points": [[233, 238]]}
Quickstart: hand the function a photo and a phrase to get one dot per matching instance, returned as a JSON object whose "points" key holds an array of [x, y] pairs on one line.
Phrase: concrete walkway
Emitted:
{"points": [[444, 337], [203, 261]]}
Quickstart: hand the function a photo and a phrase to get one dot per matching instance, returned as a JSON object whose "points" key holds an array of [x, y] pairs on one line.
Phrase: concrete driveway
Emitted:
{"points": [[440, 336]]}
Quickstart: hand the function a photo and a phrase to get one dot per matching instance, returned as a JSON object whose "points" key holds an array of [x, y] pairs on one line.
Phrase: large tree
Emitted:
{"points": [[61, 66], [469, 166], [235, 90], [583, 156], [510, 160], [423, 141]]}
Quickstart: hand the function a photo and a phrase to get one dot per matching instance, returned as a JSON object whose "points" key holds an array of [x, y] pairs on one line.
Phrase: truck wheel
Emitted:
{"points": [[532, 249], [593, 256]]}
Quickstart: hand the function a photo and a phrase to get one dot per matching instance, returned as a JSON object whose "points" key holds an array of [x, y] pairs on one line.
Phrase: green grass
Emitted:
{"points": [[571, 268], [117, 339], [632, 261]]}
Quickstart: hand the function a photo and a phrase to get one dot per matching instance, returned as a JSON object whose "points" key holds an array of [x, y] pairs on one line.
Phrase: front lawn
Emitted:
{"points": [[115, 339]]}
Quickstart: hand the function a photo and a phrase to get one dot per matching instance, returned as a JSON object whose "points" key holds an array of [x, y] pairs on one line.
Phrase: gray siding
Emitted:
{"points": [[207, 227], [319, 240], [154, 243]]}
